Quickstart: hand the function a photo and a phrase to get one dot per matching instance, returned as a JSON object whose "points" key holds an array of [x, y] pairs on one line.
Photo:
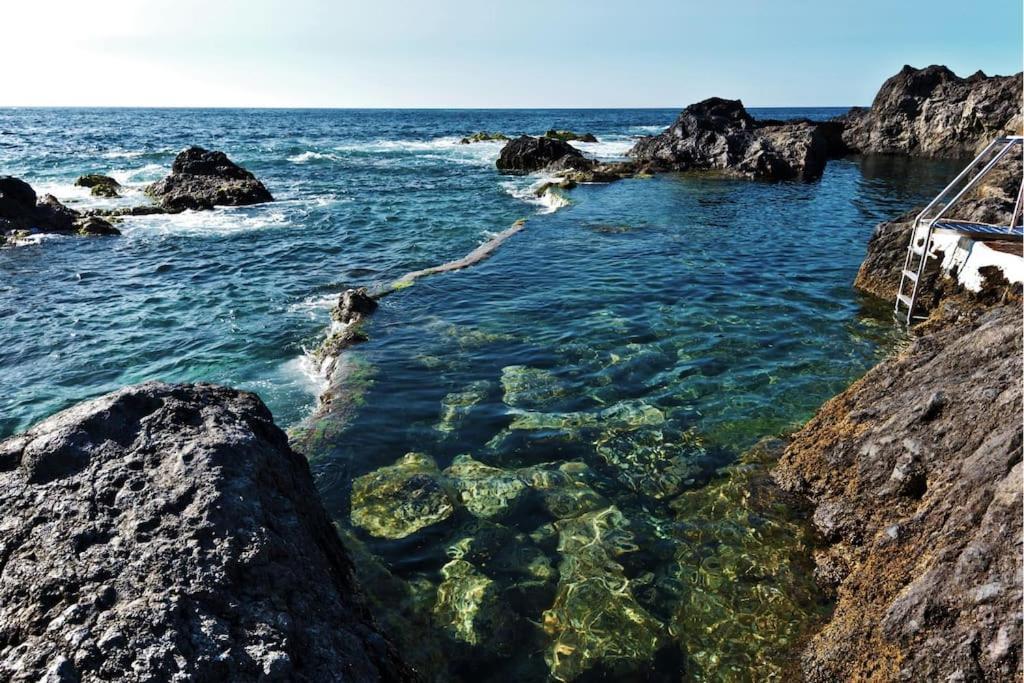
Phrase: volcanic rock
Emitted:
{"points": [[202, 179], [168, 532], [527, 154]]}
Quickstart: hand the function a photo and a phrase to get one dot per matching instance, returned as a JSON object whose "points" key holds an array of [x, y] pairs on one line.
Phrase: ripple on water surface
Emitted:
{"points": [[578, 402]]}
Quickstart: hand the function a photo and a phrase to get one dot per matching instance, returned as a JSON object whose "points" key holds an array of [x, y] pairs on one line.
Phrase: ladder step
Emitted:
{"points": [[910, 275], [904, 299]]}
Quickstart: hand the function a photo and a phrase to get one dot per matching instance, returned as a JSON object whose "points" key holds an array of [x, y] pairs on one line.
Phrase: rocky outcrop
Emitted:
{"points": [[991, 202], [570, 136], [527, 154], [933, 112], [483, 136], [168, 532], [99, 185], [21, 213], [202, 179], [915, 472], [719, 135]]}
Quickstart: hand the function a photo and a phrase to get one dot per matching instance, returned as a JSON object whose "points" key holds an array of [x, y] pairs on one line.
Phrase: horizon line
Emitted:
{"points": [[435, 108]]}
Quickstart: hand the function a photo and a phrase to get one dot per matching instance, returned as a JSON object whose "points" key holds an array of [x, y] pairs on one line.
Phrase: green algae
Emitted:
{"points": [[530, 388], [486, 492], [649, 463], [457, 405], [400, 499]]}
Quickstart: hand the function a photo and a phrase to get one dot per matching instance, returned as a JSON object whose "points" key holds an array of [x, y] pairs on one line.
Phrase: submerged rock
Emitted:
{"points": [[719, 135], [933, 112], [569, 136], [469, 608], [487, 492], [530, 388], [400, 499], [527, 154], [202, 179], [99, 185], [650, 464], [596, 622], [483, 136], [457, 405], [168, 531]]}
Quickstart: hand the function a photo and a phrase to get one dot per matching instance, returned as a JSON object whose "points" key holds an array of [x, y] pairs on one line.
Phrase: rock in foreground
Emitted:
{"points": [[915, 471], [202, 179], [169, 533], [719, 135], [933, 112]]}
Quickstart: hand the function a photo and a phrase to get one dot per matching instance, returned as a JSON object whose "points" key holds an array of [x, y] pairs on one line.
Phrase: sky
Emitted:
{"points": [[457, 53]]}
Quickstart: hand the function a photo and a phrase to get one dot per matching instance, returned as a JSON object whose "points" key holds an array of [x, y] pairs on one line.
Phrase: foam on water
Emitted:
{"points": [[224, 220]]}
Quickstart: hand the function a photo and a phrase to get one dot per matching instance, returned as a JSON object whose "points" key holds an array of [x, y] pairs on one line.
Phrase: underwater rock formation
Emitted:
{"points": [[168, 531], [457, 405], [650, 464], [595, 621], [530, 388], [22, 214], [933, 112], [400, 499], [719, 135], [99, 185], [486, 492], [202, 179]]}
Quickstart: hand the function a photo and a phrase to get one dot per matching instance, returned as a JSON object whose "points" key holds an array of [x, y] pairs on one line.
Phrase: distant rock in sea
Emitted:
{"points": [[168, 532], [99, 185], [527, 154], [719, 135], [22, 214], [483, 136], [933, 112], [202, 179], [569, 136]]}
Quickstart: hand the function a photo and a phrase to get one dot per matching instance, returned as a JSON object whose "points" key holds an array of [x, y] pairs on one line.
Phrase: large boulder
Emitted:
{"points": [[527, 154], [719, 135], [202, 179], [168, 532], [933, 112], [99, 185]]}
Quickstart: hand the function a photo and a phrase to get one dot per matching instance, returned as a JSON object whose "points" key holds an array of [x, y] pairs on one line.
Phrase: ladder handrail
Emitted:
{"points": [[953, 183], [976, 179]]}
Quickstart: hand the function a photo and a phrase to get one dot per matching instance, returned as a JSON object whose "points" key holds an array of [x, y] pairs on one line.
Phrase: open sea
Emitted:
{"points": [[637, 338]]}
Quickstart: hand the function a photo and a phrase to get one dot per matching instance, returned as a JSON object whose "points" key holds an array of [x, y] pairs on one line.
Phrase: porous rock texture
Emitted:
{"points": [[719, 135], [915, 472], [933, 112], [169, 533], [202, 179]]}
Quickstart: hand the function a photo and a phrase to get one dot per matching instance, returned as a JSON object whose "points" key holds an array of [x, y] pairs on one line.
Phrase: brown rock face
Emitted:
{"points": [[168, 532], [915, 472], [933, 112]]}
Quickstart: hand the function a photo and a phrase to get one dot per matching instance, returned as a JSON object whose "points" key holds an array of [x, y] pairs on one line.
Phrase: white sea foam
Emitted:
{"points": [[648, 130], [309, 156], [223, 220], [122, 154], [525, 188], [610, 148]]}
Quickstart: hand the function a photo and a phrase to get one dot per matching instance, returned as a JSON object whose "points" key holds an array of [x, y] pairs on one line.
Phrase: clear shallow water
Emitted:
{"points": [[672, 320]]}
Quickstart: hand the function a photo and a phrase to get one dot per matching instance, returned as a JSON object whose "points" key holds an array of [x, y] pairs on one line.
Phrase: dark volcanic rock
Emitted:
{"points": [[527, 154], [569, 136], [94, 225], [933, 112], [719, 135], [21, 212], [169, 533], [202, 179], [915, 472], [52, 216]]}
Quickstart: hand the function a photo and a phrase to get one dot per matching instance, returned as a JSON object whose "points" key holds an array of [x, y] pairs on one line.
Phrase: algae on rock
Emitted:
{"points": [[487, 492], [400, 499]]}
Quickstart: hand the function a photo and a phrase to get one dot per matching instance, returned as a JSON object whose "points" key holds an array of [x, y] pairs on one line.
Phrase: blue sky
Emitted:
{"points": [[455, 53]]}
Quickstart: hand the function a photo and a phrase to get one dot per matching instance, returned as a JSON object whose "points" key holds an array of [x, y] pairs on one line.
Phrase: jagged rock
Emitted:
{"points": [[21, 213], [168, 532], [527, 154], [52, 216], [400, 499], [719, 135], [353, 305], [569, 136], [921, 498], [99, 185], [933, 112], [202, 179], [483, 136]]}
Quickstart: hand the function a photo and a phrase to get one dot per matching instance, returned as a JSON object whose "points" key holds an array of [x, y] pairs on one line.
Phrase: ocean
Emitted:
{"points": [[680, 317]]}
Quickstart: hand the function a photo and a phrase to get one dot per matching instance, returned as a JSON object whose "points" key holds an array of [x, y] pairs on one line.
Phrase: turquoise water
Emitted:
{"points": [[675, 319]]}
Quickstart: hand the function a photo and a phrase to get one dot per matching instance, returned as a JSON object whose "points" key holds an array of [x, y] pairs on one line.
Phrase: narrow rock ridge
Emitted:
{"points": [[168, 532]]}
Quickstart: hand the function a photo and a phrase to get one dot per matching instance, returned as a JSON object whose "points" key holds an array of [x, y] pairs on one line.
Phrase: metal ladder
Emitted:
{"points": [[913, 273]]}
